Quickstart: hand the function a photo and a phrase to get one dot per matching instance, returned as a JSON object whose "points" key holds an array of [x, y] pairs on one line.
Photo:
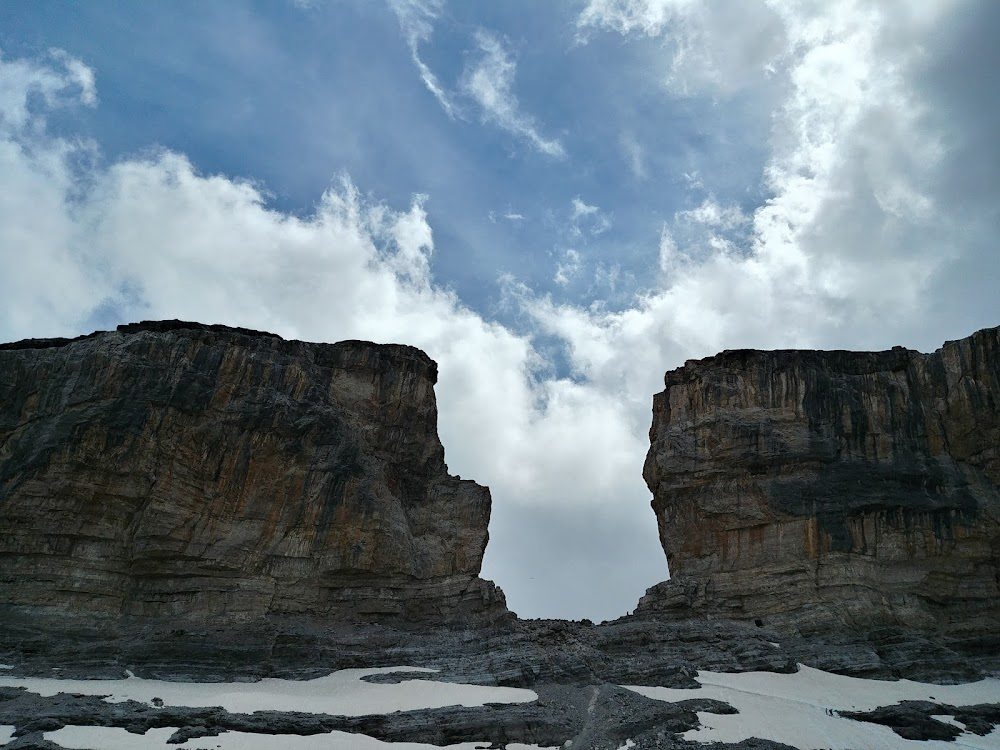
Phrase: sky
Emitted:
{"points": [[557, 201]]}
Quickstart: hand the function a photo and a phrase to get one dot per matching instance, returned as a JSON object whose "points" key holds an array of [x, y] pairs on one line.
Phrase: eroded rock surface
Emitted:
{"points": [[186, 471], [814, 490]]}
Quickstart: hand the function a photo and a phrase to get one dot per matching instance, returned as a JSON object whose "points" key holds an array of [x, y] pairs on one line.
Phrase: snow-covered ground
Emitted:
{"points": [[800, 709], [341, 693], [6, 733], [74, 738]]}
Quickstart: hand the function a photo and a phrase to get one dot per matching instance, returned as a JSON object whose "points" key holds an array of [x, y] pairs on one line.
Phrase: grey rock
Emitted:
{"points": [[172, 469], [912, 720], [818, 491]]}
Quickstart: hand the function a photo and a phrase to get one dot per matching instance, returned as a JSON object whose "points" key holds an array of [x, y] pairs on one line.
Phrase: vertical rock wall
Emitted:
{"points": [[178, 470], [810, 487]]}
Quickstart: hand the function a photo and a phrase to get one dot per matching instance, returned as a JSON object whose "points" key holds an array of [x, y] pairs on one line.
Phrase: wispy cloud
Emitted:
{"points": [[722, 44], [568, 267], [588, 219], [634, 154], [416, 18], [581, 209], [510, 216], [490, 81], [715, 215]]}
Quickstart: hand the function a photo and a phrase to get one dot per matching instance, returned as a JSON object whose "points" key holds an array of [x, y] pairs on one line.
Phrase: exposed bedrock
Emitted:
{"points": [[179, 470], [818, 488]]}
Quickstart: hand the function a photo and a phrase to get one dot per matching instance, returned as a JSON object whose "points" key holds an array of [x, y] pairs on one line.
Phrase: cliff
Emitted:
{"points": [[809, 488], [179, 470]]}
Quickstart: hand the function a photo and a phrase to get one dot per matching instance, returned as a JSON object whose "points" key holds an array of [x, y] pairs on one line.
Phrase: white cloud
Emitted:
{"points": [[416, 19], [581, 209], [588, 219], [510, 216], [568, 267], [67, 81], [849, 233], [489, 82], [719, 43], [712, 214]]}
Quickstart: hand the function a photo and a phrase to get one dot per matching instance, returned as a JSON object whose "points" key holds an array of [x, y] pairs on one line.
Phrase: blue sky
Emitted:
{"points": [[292, 96], [558, 201]]}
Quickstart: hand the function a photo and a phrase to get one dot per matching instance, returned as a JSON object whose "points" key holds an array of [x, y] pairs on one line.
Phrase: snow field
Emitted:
{"points": [[801, 709], [341, 693], [78, 738]]}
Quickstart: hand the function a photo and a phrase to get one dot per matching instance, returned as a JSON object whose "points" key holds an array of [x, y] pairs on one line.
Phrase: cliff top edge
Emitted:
{"points": [[232, 333], [898, 357]]}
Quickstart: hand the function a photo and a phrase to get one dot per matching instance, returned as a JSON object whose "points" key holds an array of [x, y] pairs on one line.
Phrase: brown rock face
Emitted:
{"points": [[178, 470], [811, 488]]}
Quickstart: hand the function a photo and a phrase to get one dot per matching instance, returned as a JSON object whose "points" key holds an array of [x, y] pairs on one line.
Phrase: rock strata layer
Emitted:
{"points": [[179, 470], [811, 489]]}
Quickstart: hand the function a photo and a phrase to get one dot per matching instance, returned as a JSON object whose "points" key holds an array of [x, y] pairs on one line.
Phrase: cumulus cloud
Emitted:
{"points": [[489, 81], [850, 232]]}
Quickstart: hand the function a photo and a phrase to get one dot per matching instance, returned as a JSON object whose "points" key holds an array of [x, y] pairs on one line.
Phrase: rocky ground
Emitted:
{"points": [[575, 668]]}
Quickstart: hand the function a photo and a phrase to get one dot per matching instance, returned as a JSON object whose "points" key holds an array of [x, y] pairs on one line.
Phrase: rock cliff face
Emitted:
{"points": [[179, 470], [810, 488]]}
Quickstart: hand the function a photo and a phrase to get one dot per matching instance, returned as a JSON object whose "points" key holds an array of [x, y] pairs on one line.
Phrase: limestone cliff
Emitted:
{"points": [[182, 470], [807, 488]]}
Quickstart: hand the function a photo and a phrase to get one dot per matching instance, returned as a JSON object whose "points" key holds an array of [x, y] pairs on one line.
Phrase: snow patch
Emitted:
{"points": [[108, 738], [6, 666], [801, 709], [341, 693], [6, 733], [947, 719], [111, 738]]}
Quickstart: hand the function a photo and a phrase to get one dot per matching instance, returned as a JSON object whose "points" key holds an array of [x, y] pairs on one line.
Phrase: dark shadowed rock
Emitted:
{"points": [[915, 720]]}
